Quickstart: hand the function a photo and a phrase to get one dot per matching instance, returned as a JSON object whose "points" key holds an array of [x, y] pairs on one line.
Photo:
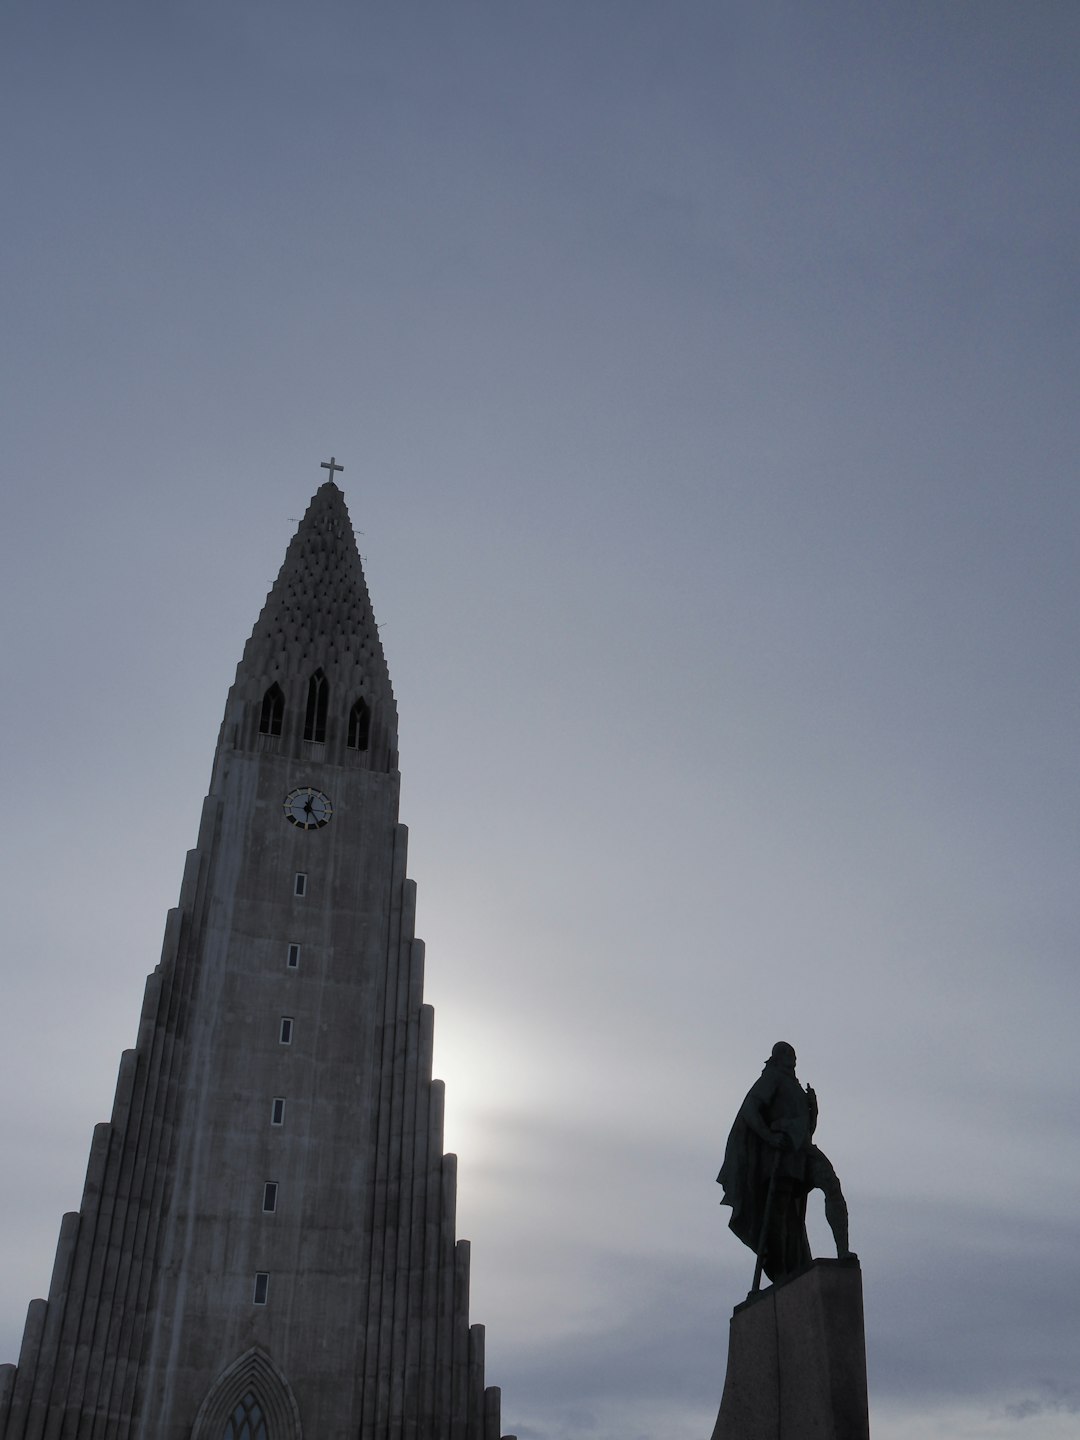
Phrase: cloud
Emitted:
{"points": [[1054, 1399]]}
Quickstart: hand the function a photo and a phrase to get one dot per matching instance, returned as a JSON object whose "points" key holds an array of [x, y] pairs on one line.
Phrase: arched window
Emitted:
{"points": [[250, 1400], [359, 725], [247, 1421], [318, 697], [273, 708]]}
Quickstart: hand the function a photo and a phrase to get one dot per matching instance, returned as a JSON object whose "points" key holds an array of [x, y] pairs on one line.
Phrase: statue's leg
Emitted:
{"points": [[837, 1216], [824, 1178], [787, 1248]]}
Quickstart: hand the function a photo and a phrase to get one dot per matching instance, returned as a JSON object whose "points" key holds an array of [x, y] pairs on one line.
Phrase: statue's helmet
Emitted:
{"points": [[783, 1053]]}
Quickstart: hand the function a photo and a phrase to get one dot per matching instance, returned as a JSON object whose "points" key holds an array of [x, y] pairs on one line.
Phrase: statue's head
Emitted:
{"points": [[783, 1055]]}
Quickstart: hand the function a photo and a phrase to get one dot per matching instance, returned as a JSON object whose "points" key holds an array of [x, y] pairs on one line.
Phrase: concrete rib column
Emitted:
{"points": [[381, 1211], [444, 1341], [115, 1341], [408, 934], [122, 1327], [476, 1382], [389, 1247], [459, 1405], [179, 976], [33, 1421], [111, 1348], [406, 1083], [7, 1387], [93, 1361], [430, 1251], [416, 1320], [404, 1228], [149, 1216], [91, 1298], [178, 980], [80, 1279], [26, 1374], [492, 1412], [397, 998]]}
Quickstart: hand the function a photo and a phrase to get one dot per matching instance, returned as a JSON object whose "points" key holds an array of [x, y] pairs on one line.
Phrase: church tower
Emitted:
{"points": [[266, 1246]]}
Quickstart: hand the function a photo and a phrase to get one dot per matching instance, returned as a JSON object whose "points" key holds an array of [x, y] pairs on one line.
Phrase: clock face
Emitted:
{"points": [[310, 809]]}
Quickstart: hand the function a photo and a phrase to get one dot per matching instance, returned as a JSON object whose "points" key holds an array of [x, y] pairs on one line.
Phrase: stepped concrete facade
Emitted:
{"points": [[266, 1247]]}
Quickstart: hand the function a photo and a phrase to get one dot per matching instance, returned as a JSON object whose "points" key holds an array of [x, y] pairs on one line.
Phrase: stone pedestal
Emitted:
{"points": [[797, 1360]]}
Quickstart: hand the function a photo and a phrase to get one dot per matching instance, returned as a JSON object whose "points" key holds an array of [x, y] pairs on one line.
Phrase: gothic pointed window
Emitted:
{"points": [[247, 1421], [273, 708], [359, 725], [251, 1399], [318, 697]]}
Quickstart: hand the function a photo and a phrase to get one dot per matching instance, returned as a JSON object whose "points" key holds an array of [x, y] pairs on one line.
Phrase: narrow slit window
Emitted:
{"points": [[300, 884], [286, 1030], [277, 1111], [269, 1197], [273, 709], [262, 1286], [318, 698], [293, 960], [359, 725]]}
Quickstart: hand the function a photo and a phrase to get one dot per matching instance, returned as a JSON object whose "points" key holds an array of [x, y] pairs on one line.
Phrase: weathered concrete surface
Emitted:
{"points": [[797, 1360]]}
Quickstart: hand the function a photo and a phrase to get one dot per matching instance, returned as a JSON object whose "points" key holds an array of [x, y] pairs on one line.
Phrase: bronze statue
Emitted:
{"points": [[770, 1167]]}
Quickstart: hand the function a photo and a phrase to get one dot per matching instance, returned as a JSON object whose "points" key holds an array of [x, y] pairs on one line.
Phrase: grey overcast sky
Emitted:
{"points": [[705, 378]]}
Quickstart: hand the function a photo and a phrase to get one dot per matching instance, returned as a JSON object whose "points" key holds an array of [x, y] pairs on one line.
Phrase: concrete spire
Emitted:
{"points": [[318, 616]]}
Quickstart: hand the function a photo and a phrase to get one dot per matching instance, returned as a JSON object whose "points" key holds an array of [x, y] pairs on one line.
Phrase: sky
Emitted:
{"points": [[704, 376]]}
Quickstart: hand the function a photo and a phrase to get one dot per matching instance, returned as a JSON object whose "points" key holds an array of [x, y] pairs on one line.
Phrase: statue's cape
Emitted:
{"points": [[748, 1162], [745, 1176]]}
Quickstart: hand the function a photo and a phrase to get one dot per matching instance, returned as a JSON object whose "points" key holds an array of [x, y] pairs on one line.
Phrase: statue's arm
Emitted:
{"points": [[754, 1111]]}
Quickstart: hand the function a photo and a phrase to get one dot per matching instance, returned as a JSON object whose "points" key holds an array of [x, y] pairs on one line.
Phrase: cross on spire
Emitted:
{"points": [[331, 465]]}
